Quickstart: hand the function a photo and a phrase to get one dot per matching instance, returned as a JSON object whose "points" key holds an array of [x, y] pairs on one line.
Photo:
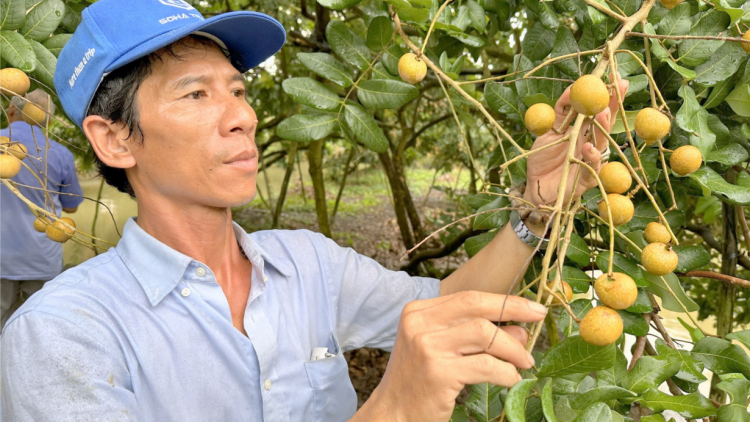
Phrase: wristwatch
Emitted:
{"points": [[524, 233], [605, 154]]}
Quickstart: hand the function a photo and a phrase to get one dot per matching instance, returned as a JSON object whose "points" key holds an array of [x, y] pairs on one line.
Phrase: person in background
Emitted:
{"points": [[28, 258]]}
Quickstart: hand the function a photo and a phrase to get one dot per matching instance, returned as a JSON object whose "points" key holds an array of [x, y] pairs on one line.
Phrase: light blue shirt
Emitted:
{"points": [[26, 254], [144, 333]]}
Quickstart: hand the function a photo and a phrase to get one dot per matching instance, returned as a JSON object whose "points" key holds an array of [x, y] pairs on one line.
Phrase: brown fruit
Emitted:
{"points": [[58, 232], [9, 166], [745, 45], [565, 287], [618, 292], [18, 150], [652, 125], [33, 115], [540, 118], [40, 224], [656, 233], [659, 259], [13, 81], [615, 177], [411, 68], [601, 326], [4, 140], [589, 95], [622, 209], [685, 160]]}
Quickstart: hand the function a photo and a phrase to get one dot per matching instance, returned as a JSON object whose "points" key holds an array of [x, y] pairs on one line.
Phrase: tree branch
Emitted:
{"points": [[414, 137], [440, 252], [716, 276]]}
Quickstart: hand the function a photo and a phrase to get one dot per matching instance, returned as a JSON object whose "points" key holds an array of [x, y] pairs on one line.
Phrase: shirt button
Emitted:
{"points": [[200, 271], [186, 292], [265, 277], [267, 385]]}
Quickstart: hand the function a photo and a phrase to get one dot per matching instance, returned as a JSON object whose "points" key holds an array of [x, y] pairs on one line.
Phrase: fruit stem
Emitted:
{"points": [[638, 179], [432, 25], [607, 11], [532, 151], [565, 123], [559, 58], [650, 71], [666, 176]]}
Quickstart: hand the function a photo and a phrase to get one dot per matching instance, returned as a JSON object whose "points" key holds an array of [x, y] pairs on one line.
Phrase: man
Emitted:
{"points": [[190, 318], [28, 258]]}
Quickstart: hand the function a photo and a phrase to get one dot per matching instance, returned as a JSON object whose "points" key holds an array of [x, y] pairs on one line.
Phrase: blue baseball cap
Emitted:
{"points": [[113, 33]]}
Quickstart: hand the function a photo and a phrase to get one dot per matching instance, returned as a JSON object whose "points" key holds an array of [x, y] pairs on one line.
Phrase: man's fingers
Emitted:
{"points": [[605, 119], [474, 337], [591, 156], [465, 306], [481, 368], [562, 107]]}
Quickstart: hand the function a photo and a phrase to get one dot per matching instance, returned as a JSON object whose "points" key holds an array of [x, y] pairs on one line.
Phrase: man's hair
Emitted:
{"points": [[39, 98], [115, 100]]}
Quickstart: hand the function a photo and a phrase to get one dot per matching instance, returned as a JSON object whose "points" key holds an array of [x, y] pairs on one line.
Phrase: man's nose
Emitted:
{"points": [[239, 117]]}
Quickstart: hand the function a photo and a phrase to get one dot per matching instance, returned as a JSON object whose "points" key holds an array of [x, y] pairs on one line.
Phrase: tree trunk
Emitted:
{"points": [[315, 160], [291, 154], [726, 292], [411, 209], [347, 170], [473, 173], [398, 200]]}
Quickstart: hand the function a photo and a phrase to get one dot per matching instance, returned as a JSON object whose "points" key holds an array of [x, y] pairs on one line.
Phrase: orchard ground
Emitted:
{"points": [[365, 221]]}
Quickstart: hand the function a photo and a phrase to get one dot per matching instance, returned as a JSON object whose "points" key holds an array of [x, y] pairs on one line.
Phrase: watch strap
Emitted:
{"points": [[524, 233]]}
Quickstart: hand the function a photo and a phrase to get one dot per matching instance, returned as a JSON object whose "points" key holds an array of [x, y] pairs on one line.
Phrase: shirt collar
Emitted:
{"points": [[159, 268]]}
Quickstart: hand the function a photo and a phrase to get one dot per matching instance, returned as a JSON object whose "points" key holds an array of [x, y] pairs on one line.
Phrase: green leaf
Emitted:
{"points": [[730, 155], [460, 414], [515, 403], [326, 66], [400, 5], [739, 100], [365, 128], [17, 51], [43, 20], [642, 303], [721, 356], [649, 372], [738, 391], [695, 51], [579, 307], [348, 45], [633, 324], [565, 43], [707, 178], [741, 336], [605, 393], [476, 15], [415, 14], [691, 406], [467, 39], [380, 72], [574, 355], [338, 4], [538, 42], [719, 93], [381, 93], [722, 64], [475, 244], [579, 281], [494, 219], [548, 405], [484, 402], [311, 93], [45, 64], [650, 159], [501, 98], [694, 119], [12, 14], [691, 370], [624, 265], [391, 57], [735, 13], [578, 250], [611, 375], [658, 287], [598, 412], [695, 333], [676, 22], [379, 33], [56, 43], [72, 17], [691, 257], [306, 127]]}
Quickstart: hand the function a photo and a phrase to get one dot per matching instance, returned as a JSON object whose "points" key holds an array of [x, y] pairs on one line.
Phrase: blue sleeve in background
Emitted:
{"points": [[70, 183]]}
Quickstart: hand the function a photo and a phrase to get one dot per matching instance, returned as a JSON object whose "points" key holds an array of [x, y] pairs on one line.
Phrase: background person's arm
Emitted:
{"points": [[70, 190]]}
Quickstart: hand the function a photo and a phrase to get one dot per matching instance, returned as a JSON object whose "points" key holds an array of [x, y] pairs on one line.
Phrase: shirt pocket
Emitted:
{"points": [[334, 398]]}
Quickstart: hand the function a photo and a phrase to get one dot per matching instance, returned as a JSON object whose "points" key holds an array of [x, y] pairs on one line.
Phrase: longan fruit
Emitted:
{"points": [[9, 166], [618, 292], [656, 233], [659, 259], [622, 209], [601, 326], [13, 81], [589, 95], [652, 125], [540, 118], [685, 160], [411, 68], [615, 177], [58, 232], [745, 45]]}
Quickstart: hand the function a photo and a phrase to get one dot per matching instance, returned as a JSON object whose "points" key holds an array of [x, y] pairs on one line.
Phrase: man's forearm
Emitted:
{"points": [[495, 267]]}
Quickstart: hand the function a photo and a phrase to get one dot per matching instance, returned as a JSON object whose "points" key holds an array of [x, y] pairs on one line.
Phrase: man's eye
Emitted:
{"points": [[239, 93], [196, 95]]}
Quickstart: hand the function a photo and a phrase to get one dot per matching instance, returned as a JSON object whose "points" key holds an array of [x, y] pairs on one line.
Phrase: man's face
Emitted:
{"points": [[199, 131]]}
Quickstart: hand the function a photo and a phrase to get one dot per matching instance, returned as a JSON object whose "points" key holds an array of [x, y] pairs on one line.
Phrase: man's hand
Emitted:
{"points": [[441, 346], [544, 168]]}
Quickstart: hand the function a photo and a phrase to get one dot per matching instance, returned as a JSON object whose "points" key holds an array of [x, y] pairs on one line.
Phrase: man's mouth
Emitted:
{"points": [[246, 161]]}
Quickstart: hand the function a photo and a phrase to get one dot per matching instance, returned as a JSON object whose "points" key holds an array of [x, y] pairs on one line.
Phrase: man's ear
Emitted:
{"points": [[12, 110], [110, 141]]}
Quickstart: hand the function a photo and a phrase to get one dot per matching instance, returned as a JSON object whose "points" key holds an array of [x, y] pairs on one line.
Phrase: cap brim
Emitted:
{"points": [[250, 37]]}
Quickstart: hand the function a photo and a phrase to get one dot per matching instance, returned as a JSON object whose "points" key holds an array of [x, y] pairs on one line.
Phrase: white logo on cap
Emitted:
{"points": [[177, 3]]}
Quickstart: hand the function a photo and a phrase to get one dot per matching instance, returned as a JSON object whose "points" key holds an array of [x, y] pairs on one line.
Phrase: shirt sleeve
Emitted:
{"points": [[70, 183], [52, 370], [371, 297]]}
